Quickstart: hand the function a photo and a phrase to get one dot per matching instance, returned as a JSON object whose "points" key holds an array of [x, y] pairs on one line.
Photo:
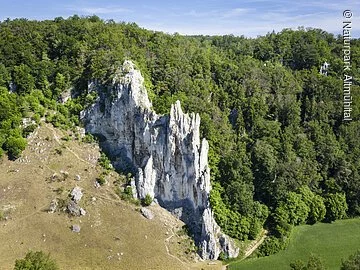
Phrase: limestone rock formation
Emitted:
{"points": [[147, 213], [76, 194], [165, 154], [73, 206]]}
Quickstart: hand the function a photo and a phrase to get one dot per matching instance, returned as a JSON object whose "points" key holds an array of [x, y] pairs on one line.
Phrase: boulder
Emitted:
{"points": [[147, 213], [76, 194], [76, 228], [73, 208], [82, 212]]}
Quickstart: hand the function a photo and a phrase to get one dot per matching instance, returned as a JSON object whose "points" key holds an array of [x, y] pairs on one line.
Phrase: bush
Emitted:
{"points": [[296, 208], [223, 256], [127, 194], [272, 245], [317, 210], [29, 129], [88, 138], [336, 207], [352, 263], [104, 162], [314, 263], [66, 138], [147, 200], [315, 203], [36, 117], [36, 260], [255, 228], [101, 180], [15, 146]]}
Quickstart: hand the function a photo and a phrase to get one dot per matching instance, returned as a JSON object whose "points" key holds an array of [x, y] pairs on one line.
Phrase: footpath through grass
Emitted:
{"points": [[331, 242]]}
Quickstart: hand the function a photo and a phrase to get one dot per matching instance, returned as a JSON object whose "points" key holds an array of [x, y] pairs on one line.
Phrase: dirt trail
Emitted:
{"points": [[167, 240], [254, 246], [67, 148]]}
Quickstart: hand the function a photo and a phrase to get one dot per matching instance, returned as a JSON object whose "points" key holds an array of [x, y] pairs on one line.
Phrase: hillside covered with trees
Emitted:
{"points": [[280, 152]]}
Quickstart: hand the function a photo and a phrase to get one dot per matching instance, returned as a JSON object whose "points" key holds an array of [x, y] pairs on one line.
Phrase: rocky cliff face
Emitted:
{"points": [[164, 152]]}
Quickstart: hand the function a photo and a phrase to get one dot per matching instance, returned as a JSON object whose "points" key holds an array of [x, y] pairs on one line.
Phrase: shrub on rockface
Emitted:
{"points": [[147, 200]]}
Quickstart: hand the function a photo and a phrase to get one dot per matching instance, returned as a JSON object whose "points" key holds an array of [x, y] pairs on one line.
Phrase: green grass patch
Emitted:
{"points": [[331, 242]]}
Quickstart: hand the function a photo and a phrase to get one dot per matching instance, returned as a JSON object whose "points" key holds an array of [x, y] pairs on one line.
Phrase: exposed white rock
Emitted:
{"points": [[147, 213], [76, 194], [76, 228], [165, 153], [73, 208], [82, 212], [53, 206], [65, 96]]}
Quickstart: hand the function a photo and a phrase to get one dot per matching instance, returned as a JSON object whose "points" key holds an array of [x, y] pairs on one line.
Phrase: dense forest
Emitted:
{"points": [[280, 152]]}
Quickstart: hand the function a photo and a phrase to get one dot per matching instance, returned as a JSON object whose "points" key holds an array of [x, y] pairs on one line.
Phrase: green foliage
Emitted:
{"points": [[233, 224], [293, 210], [223, 256], [336, 206], [36, 260], [351, 263], [101, 179], [314, 263], [59, 85], [4, 76], [147, 200], [128, 191], [58, 120], [23, 79], [105, 162], [315, 203], [88, 138], [28, 130], [272, 245], [14, 146], [127, 195]]}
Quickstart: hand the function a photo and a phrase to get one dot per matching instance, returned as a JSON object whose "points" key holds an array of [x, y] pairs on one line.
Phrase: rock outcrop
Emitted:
{"points": [[165, 153], [73, 206], [147, 213]]}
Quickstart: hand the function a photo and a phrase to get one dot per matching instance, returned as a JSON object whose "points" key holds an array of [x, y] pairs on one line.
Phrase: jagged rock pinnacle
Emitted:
{"points": [[165, 153]]}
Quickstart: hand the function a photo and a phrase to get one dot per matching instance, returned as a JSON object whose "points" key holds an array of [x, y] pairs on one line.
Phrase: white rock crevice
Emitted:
{"points": [[165, 153]]}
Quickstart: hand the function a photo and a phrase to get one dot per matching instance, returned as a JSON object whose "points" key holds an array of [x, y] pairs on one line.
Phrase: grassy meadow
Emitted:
{"points": [[331, 242]]}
